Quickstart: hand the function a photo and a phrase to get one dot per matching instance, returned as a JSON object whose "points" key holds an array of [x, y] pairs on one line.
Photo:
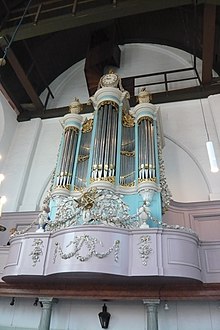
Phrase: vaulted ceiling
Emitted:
{"points": [[41, 39]]}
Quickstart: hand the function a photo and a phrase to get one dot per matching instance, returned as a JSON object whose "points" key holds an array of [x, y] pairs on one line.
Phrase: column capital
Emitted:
{"points": [[151, 301], [48, 301]]}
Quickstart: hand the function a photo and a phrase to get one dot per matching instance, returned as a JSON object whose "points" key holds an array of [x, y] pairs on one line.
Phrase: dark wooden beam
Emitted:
{"points": [[208, 42], [94, 14], [157, 98], [121, 288], [12, 59]]}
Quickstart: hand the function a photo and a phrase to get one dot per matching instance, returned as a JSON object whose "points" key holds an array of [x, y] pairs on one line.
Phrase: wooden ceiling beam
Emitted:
{"points": [[94, 14], [38, 105], [126, 290], [157, 98], [208, 42]]}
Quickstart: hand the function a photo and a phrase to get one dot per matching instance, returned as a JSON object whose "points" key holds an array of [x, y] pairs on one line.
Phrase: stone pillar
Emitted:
{"points": [[152, 316], [45, 313]]}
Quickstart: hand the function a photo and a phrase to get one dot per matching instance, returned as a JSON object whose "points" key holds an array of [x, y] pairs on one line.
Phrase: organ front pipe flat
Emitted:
{"points": [[68, 157], [115, 140], [62, 165], [112, 149], [145, 148], [107, 143], [72, 151], [70, 154], [96, 144], [112, 155], [102, 145], [149, 149], [153, 151], [141, 164]]}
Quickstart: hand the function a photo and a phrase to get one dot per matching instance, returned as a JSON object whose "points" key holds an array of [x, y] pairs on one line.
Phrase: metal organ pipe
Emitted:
{"points": [[104, 155], [153, 152], [67, 159], [149, 147], [66, 166], [146, 149], [71, 156], [61, 175], [96, 144], [102, 143], [114, 130], [107, 143]]}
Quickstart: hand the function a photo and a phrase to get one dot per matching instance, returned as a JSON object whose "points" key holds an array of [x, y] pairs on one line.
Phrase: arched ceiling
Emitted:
{"points": [[55, 34]]}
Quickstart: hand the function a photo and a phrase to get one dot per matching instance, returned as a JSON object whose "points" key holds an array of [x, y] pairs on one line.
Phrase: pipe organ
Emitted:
{"points": [[113, 152]]}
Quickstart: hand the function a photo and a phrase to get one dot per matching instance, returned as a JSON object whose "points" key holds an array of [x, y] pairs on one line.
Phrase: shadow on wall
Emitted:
{"points": [[185, 177]]}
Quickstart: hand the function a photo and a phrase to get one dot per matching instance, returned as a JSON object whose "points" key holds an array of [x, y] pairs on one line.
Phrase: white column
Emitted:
{"points": [[152, 315], [45, 312]]}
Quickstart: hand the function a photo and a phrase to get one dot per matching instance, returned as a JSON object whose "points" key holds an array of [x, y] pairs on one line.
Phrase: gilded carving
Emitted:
{"points": [[128, 120], [114, 104], [87, 199], [128, 153], [145, 118], [87, 126], [72, 128], [83, 158]]}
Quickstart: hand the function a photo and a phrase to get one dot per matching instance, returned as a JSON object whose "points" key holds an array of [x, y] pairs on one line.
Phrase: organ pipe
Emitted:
{"points": [[104, 154], [146, 150], [64, 177]]}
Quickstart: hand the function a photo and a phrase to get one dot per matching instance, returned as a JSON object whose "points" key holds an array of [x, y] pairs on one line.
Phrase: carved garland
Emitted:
{"points": [[90, 243], [37, 252], [145, 249]]}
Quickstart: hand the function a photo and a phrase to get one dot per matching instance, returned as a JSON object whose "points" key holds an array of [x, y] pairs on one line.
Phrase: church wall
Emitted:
{"points": [[19, 160], [43, 163], [83, 315], [8, 124]]}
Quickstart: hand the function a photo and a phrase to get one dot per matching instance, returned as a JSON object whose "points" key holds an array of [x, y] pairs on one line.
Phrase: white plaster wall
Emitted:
{"points": [[70, 315], [18, 162], [43, 164], [31, 147], [67, 86], [8, 125]]}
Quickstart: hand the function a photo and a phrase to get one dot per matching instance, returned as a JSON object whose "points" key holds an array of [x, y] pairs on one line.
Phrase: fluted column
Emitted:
{"points": [[152, 315], [45, 312]]}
